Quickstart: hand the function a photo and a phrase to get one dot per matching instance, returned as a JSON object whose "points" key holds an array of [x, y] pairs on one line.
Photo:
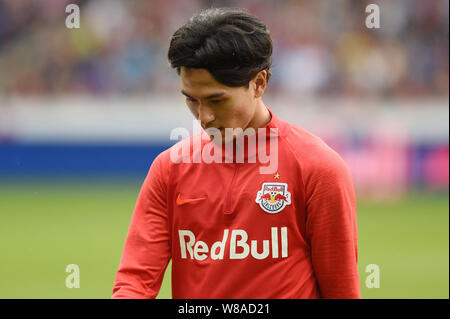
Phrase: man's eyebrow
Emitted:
{"points": [[211, 96]]}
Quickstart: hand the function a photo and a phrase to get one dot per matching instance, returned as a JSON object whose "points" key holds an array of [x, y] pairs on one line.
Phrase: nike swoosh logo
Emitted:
{"points": [[186, 201]]}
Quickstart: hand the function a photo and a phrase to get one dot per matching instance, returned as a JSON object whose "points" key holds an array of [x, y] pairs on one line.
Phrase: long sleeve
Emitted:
{"points": [[332, 227], [147, 247]]}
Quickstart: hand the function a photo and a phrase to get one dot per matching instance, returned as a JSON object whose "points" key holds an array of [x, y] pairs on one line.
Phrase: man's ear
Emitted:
{"points": [[259, 83]]}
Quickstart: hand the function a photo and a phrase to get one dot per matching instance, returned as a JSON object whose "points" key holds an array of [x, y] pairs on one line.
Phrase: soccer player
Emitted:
{"points": [[231, 229]]}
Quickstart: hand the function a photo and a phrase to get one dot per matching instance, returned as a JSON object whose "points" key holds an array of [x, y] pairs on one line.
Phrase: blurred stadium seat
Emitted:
{"points": [[321, 47]]}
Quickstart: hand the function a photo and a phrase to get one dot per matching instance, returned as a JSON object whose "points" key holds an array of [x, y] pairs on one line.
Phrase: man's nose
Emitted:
{"points": [[205, 115]]}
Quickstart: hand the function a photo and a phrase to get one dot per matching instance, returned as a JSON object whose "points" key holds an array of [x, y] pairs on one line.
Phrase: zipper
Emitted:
{"points": [[229, 192]]}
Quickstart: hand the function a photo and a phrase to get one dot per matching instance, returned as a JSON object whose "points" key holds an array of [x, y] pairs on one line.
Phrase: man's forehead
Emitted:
{"points": [[200, 83], [191, 77]]}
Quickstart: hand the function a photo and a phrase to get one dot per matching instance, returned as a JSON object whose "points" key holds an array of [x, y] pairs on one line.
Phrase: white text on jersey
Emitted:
{"points": [[199, 250]]}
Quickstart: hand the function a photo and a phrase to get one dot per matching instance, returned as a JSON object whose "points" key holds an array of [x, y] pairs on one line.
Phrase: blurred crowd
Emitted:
{"points": [[321, 47]]}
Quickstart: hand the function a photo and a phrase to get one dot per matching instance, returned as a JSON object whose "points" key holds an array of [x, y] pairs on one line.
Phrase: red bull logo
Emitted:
{"points": [[273, 197], [240, 245]]}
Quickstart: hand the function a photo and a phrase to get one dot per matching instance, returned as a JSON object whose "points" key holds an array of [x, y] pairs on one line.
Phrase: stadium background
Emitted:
{"points": [[83, 112]]}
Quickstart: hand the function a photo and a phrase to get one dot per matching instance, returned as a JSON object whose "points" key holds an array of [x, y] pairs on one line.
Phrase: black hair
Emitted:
{"points": [[229, 43]]}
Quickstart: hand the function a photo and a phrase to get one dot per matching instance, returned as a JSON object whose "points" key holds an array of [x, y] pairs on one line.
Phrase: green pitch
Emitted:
{"points": [[45, 226]]}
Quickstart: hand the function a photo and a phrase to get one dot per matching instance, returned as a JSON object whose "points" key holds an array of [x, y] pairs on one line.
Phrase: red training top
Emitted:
{"points": [[234, 232]]}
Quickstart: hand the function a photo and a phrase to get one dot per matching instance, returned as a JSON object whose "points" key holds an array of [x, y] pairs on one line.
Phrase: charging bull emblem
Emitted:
{"points": [[273, 197]]}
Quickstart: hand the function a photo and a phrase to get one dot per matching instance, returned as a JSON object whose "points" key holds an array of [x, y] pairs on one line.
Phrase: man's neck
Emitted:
{"points": [[262, 117]]}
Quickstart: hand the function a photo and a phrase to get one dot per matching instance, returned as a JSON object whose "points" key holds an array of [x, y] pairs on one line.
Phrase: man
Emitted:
{"points": [[230, 230]]}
